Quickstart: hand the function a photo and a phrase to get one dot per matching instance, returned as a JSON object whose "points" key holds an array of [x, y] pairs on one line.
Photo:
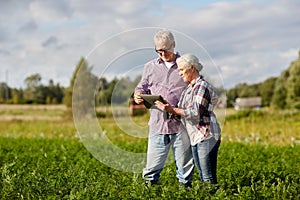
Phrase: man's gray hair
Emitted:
{"points": [[164, 36], [190, 60]]}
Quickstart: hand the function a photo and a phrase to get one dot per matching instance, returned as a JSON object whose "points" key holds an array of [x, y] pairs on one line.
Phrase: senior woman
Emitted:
{"points": [[196, 110]]}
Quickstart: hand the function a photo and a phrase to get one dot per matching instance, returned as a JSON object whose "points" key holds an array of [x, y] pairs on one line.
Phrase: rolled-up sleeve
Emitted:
{"points": [[143, 85]]}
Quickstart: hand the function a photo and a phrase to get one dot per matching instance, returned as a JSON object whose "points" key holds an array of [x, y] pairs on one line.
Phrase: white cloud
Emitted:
{"points": [[248, 40], [49, 11]]}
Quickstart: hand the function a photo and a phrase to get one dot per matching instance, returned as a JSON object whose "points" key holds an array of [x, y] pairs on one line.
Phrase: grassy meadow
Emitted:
{"points": [[42, 157]]}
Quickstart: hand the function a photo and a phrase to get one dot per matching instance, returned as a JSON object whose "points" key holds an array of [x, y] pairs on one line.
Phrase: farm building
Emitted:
{"points": [[247, 102]]}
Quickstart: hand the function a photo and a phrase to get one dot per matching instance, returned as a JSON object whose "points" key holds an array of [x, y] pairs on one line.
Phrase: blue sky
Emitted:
{"points": [[248, 41]]}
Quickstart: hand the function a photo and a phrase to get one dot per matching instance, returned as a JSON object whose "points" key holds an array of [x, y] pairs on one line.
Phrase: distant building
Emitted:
{"points": [[247, 102]]}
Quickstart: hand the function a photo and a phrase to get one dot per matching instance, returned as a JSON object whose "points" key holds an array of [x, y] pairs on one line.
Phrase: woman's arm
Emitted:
{"points": [[168, 108]]}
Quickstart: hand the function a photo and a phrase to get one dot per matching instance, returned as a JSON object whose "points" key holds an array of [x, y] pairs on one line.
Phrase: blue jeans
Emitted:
{"points": [[157, 154], [205, 155]]}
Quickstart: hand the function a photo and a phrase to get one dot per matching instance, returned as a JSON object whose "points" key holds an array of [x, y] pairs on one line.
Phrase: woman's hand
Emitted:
{"points": [[164, 106], [168, 108]]}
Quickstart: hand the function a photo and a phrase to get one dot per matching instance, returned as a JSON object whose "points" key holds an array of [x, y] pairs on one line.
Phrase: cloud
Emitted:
{"points": [[4, 52], [48, 11], [30, 27], [50, 41], [248, 40]]}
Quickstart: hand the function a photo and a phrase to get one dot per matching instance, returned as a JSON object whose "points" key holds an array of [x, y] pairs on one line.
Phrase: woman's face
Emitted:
{"points": [[185, 72]]}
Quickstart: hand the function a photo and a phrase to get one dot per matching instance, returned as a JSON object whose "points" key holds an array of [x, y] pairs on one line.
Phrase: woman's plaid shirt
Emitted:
{"points": [[198, 116]]}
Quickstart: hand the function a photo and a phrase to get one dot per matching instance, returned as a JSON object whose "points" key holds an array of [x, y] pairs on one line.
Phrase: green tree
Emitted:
{"points": [[84, 83], [69, 90], [287, 87], [50, 92], [17, 96], [293, 85], [58, 93], [123, 90], [231, 95], [242, 90], [280, 91], [33, 92], [267, 90], [118, 91], [5, 93], [109, 91], [101, 98], [54, 93]]}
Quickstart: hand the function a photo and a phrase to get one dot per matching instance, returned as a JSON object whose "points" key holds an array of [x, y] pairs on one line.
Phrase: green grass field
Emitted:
{"points": [[42, 157]]}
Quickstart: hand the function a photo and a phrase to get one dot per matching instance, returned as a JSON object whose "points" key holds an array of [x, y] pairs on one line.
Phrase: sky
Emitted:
{"points": [[239, 41]]}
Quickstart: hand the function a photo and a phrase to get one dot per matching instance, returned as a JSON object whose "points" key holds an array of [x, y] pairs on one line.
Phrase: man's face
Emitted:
{"points": [[165, 51]]}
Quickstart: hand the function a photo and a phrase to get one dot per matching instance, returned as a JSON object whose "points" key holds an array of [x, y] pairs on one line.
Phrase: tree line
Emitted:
{"points": [[34, 93], [117, 90], [279, 92]]}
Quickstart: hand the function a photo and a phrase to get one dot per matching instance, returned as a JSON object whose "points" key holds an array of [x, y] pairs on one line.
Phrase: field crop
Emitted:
{"points": [[45, 159], [267, 127]]}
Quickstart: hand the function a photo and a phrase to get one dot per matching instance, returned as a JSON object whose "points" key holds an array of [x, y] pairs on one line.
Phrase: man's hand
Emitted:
{"points": [[137, 98]]}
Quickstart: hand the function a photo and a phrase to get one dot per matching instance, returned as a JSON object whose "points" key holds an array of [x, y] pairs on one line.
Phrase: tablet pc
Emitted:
{"points": [[149, 99]]}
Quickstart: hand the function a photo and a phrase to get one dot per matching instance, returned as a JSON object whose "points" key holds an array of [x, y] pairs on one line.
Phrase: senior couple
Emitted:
{"points": [[186, 121]]}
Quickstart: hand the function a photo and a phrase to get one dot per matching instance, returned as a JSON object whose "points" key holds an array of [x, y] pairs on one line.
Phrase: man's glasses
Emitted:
{"points": [[161, 51]]}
